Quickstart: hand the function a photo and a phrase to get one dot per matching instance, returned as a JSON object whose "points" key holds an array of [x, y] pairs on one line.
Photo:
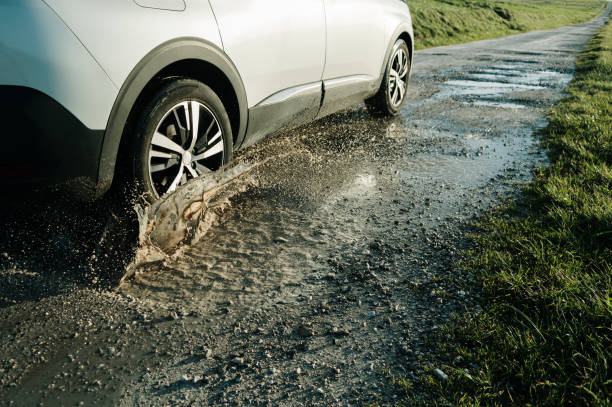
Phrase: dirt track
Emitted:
{"points": [[320, 282]]}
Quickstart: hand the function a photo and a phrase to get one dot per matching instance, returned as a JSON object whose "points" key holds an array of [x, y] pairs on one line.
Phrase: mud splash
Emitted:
{"points": [[182, 218]]}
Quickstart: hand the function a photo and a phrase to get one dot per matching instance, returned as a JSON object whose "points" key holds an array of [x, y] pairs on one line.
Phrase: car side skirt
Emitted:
{"points": [[284, 110]]}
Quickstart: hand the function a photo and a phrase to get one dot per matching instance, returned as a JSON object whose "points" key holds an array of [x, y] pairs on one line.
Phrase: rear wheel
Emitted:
{"points": [[392, 93], [183, 133]]}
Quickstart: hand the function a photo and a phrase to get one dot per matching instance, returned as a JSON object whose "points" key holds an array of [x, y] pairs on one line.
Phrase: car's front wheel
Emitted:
{"points": [[181, 134], [392, 93]]}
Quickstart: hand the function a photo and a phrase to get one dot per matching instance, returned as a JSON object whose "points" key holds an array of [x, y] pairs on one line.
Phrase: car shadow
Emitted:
{"points": [[52, 244]]}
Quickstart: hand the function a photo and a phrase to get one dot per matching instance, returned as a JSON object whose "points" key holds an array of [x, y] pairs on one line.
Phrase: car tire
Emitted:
{"points": [[183, 132], [391, 97]]}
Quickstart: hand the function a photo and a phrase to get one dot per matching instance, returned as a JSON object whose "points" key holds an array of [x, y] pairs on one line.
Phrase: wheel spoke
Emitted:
{"points": [[186, 110], [404, 66], [203, 140], [177, 180], [159, 154], [195, 124], [181, 129], [162, 141], [165, 166], [402, 90], [216, 149], [193, 172], [215, 138]]}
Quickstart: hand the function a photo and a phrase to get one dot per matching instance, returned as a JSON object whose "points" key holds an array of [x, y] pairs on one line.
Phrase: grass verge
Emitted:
{"points": [[544, 265], [443, 22]]}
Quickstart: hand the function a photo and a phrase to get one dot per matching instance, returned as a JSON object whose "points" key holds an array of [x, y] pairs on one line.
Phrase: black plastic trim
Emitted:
{"points": [[266, 119]]}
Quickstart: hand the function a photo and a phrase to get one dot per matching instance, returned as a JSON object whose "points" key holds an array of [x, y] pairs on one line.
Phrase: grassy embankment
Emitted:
{"points": [[544, 265], [443, 22]]}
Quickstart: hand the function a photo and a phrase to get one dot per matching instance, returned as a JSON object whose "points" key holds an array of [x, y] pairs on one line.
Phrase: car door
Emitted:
{"points": [[278, 46], [355, 50], [275, 44]]}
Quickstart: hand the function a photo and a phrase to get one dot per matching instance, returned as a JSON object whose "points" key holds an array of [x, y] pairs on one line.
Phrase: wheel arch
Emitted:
{"points": [[406, 37], [184, 57], [404, 32]]}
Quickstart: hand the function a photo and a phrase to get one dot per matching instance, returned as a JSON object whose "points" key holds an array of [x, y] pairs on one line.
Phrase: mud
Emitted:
{"points": [[310, 273]]}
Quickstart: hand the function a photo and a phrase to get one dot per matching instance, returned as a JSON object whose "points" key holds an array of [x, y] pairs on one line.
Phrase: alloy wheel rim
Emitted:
{"points": [[398, 72], [187, 142]]}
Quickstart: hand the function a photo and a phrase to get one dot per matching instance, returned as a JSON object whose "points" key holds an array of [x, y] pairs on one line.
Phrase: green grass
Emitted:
{"points": [[544, 265], [443, 22]]}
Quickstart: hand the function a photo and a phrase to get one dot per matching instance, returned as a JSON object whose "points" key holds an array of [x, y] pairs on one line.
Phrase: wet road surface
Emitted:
{"points": [[330, 258]]}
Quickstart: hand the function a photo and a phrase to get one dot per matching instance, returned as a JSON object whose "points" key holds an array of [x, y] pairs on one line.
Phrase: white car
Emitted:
{"points": [[156, 92]]}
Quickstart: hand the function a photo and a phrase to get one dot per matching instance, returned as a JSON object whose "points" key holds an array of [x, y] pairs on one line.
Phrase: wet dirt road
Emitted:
{"points": [[329, 264]]}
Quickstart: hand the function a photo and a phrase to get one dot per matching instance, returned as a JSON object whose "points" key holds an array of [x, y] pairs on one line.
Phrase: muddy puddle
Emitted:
{"points": [[334, 183]]}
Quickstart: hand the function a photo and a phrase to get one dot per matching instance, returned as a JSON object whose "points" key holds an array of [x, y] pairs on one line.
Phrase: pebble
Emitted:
{"points": [[440, 375], [304, 331], [320, 390], [238, 361]]}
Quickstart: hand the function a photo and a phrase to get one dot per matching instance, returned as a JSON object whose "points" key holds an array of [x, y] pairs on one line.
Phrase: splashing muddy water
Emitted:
{"points": [[183, 218]]}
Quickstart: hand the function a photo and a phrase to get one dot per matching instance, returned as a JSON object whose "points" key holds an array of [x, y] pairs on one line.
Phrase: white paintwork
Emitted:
{"points": [[81, 52], [275, 44], [176, 5], [354, 29], [119, 33], [38, 51]]}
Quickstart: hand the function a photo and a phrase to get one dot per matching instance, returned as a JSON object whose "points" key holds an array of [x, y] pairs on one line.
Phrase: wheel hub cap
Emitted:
{"points": [[187, 158]]}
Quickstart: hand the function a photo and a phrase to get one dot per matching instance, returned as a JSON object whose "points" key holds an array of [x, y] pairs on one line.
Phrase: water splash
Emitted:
{"points": [[182, 218]]}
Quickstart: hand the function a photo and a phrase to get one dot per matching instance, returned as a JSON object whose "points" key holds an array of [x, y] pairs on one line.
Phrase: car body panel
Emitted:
{"points": [[121, 34], [355, 38], [40, 52], [275, 44]]}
